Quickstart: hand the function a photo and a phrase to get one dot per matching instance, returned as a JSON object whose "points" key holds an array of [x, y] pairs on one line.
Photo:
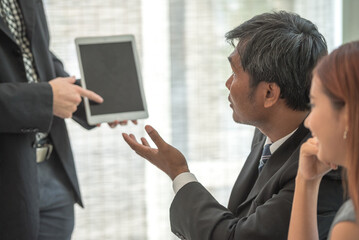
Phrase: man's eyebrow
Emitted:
{"points": [[311, 96], [229, 59]]}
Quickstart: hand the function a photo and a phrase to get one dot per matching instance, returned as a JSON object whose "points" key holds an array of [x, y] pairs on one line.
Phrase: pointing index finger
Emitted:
{"points": [[90, 95]]}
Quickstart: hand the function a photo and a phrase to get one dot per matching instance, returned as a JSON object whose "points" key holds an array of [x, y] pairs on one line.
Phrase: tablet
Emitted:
{"points": [[109, 66]]}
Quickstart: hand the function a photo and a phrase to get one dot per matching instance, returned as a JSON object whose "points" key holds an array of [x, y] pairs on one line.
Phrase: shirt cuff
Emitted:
{"points": [[182, 179]]}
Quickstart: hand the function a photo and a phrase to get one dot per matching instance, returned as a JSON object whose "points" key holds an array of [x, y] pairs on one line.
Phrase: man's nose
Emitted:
{"points": [[229, 82]]}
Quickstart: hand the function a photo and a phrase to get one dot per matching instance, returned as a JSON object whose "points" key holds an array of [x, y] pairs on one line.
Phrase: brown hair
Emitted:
{"points": [[339, 75]]}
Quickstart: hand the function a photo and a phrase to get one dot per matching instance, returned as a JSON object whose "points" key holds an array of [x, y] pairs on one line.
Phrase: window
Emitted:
{"points": [[183, 55]]}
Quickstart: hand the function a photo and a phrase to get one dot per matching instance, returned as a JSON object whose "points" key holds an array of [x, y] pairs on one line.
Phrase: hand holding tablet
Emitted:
{"points": [[67, 96], [109, 66]]}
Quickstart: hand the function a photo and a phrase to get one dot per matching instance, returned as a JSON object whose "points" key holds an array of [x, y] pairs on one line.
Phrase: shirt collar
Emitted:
{"points": [[275, 145]]}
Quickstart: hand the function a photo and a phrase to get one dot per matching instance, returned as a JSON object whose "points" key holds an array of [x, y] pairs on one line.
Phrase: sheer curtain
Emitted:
{"points": [[183, 56]]}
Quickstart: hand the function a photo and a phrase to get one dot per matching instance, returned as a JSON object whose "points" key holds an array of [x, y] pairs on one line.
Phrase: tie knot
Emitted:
{"points": [[265, 156], [266, 150]]}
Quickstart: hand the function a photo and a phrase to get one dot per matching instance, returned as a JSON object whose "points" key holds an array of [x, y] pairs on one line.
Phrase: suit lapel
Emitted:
{"points": [[277, 160], [6, 30], [27, 10], [246, 178], [28, 13], [272, 166]]}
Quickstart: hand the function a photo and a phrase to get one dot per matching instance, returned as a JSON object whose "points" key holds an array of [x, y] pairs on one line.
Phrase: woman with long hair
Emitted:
{"points": [[334, 123]]}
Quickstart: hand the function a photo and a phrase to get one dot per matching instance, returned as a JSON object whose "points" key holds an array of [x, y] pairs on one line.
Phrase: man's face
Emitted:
{"points": [[241, 96]]}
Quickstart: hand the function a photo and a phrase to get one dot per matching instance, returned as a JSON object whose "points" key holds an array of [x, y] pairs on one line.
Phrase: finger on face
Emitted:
{"points": [[313, 141], [156, 138], [310, 140], [309, 148]]}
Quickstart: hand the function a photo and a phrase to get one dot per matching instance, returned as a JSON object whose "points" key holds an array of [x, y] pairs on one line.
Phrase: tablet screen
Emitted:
{"points": [[109, 66], [110, 71]]}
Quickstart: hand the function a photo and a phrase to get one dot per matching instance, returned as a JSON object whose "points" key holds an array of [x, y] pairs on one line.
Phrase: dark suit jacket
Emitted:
{"points": [[259, 206], [24, 110]]}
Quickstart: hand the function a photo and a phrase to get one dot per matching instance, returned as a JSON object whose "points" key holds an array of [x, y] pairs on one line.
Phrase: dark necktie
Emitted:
{"points": [[266, 154]]}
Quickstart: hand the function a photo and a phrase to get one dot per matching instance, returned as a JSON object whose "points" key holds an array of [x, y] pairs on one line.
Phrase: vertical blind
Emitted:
{"points": [[183, 56]]}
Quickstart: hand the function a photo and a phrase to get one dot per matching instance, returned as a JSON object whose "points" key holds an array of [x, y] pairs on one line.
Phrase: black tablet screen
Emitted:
{"points": [[110, 71]]}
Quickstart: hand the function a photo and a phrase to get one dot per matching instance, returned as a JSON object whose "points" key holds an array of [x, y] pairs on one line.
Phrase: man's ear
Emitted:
{"points": [[272, 94]]}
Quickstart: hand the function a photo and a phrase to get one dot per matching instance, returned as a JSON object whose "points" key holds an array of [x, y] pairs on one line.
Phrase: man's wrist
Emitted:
{"points": [[182, 179], [177, 171]]}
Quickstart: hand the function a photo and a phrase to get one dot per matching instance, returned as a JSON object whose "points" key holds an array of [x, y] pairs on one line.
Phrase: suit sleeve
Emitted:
{"points": [[59, 67], [25, 107], [195, 214]]}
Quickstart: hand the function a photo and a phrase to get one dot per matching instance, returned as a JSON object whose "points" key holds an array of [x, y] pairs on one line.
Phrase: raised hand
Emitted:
{"points": [[167, 158], [310, 167], [67, 96]]}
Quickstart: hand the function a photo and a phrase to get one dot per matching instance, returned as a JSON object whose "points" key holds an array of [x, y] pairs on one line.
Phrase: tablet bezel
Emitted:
{"points": [[95, 119]]}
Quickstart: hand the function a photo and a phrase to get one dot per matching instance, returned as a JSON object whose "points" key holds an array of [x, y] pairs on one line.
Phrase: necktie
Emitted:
{"points": [[266, 154]]}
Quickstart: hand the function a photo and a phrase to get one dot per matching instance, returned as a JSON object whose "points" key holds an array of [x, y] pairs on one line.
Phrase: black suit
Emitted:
{"points": [[259, 206], [24, 110]]}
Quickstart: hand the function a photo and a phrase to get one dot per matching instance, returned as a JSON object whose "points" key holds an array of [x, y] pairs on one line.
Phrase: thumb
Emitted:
{"points": [[156, 138]]}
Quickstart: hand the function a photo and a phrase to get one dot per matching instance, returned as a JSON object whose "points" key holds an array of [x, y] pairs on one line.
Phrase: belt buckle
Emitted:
{"points": [[43, 153]]}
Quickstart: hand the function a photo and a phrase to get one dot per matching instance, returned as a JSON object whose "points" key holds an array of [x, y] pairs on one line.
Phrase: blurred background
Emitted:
{"points": [[183, 55]]}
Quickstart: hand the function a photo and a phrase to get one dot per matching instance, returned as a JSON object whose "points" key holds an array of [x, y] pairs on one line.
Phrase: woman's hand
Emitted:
{"points": [[310, 167]]}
